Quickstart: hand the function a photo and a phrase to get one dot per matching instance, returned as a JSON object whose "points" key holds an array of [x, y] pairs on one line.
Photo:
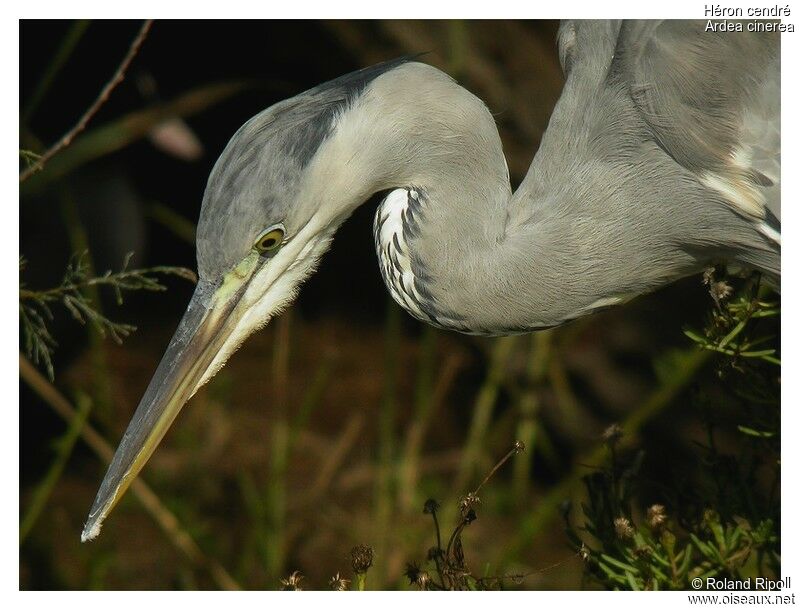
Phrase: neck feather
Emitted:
{"points": [[415, 130]]}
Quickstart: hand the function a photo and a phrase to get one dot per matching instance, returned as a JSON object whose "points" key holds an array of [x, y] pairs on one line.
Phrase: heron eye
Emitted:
{"points": [[269, 241]]}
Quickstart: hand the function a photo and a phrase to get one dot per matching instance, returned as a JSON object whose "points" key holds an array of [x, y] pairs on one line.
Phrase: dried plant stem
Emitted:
{"points": [[513, 451], [63, 452], [423, 399], [332, 463], [428, 405], [180, 226], [166, 520], [483, 409], [521, 577], [385, 483], [101, 378], [438, 533], [118, 133], [64, 52], [101, 99], [275, 550], [539, 356]]}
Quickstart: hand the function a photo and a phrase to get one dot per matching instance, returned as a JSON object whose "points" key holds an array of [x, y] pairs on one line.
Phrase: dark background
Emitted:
{"points": [[345, 348]]}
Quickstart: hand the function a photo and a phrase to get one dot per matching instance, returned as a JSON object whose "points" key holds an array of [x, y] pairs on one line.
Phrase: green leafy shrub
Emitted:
{"points": [[724, 520]]}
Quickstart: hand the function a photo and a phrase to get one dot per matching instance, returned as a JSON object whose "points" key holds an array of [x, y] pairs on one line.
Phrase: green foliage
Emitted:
{"points": [[63, 449], [731, 326], [662, 552], [29, 157], [724, 520], [35, 305]]}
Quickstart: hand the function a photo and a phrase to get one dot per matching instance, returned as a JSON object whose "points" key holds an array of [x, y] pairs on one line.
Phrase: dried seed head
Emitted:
{"points": [[424, 581], [720, 291], [612, 434], [519, 447], [337, 583], [656, 516], [431, 506], [584, 552], [361, 557], [412, 573], [292, 583], [467, 503], [623, 528]]}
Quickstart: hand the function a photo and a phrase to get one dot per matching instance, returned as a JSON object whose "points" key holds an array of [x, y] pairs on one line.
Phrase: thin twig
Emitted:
{"points": [[168, 522], [132, 279], [116, 134], [102, 98], [333, 460], [520, 577], [513, 451]]}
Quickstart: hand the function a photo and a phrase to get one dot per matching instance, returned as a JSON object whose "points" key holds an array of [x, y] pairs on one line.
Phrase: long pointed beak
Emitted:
{"points": [[208, 322]]}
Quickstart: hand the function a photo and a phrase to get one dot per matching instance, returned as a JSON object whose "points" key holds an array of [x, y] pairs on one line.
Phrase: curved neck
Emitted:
{"points": [[417, 129], [415, 126]]}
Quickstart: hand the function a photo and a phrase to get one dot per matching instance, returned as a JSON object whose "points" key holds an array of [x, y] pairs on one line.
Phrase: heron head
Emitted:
{"points": [[266, 219]]}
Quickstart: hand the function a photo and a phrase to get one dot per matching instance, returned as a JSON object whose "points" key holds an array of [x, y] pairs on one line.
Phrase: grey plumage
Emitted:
{"points": [[258, 171], [615, 203], [661, 157]]}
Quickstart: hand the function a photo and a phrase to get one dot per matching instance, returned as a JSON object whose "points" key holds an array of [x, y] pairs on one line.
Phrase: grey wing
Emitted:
{"points": [[712, 102]]}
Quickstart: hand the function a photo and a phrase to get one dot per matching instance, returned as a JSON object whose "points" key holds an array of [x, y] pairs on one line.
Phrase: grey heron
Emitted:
{"points": [[662, 156]]}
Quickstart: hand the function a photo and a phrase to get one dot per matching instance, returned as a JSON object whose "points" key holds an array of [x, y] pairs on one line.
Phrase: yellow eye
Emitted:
{"points": [[269, 241]]}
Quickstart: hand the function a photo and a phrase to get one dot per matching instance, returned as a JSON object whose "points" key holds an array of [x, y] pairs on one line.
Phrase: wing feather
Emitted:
{"points": [[712, 101]]}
